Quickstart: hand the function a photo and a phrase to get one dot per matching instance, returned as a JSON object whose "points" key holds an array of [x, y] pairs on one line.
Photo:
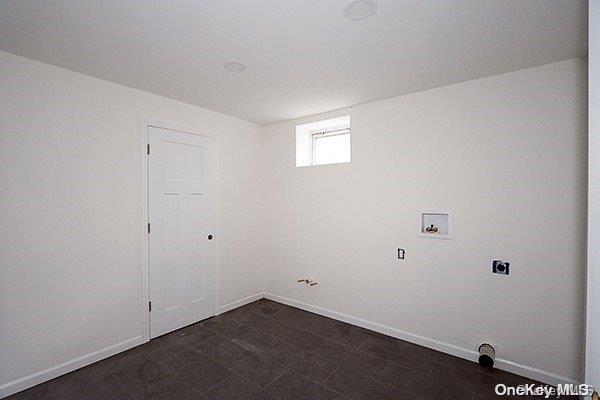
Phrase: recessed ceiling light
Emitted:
{"points": [[360, 9], [234, 66]]}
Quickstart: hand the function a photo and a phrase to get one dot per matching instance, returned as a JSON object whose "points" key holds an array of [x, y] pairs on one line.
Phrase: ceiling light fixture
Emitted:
{"points": [[234, 66], [360, 9]]}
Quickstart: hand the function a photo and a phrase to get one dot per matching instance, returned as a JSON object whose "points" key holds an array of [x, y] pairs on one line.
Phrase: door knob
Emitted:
{"points": [[210, 237]]}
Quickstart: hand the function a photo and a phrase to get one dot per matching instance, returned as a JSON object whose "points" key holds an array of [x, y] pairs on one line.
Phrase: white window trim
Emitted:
{"points": [[330, 131]]}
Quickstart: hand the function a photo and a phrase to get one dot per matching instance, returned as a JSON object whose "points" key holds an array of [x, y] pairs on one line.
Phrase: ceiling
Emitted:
{"points": [[303, 56]]}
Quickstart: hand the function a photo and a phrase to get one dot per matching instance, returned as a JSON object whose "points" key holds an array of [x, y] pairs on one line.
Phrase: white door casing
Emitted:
{"points": [[181, 277]]}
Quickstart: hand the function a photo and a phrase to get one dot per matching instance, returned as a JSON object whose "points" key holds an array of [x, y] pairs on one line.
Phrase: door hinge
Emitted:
{"points": [[148, 227], [148, 149], [149, 306]]}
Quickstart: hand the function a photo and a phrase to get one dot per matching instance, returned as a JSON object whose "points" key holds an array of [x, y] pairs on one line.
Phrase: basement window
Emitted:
{"points": [[323, 142]]}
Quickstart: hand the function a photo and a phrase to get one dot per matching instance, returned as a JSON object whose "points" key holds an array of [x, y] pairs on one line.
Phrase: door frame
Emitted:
{"points": [[145, 123]]}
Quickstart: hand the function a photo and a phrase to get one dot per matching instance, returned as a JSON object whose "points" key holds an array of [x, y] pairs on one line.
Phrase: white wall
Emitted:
{"points": [[70, 274], [507, 154], [592, 370]]}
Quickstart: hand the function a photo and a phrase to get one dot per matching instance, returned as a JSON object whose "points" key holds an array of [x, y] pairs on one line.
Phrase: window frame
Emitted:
{"points": [[337, 130]]}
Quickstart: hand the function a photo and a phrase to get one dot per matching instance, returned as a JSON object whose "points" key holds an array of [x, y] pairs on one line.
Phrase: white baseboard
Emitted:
{"points": [[502, 364], [471, 355], [42, 376], [241, 302], [26, 382]]}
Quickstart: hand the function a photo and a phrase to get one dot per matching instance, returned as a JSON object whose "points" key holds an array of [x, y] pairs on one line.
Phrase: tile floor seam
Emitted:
{"points": [[217, 333], [313, 322], [246, 379], [119, 382], [331, 374], [309, 386], [72, 392], [329, 387], [182, 378], [287, 325], [278, 376], [288, 343], [283, 340], [127, 389], [288, 366], [351, 349], [363, 343], [271, 393], [219, 382], [382, 371], [430, 371], [314, 380], [256, 385], [189, 385], [320, 346], [354, 349]]}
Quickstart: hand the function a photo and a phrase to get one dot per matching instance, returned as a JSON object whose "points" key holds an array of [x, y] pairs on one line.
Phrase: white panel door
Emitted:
{"points": [[181, 216]]}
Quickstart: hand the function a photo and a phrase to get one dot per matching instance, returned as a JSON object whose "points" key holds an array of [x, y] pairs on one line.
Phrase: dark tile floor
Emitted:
{"points": [[267, 350]]}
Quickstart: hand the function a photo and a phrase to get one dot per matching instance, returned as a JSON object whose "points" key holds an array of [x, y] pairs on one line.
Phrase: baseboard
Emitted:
{"points": [[241, 302], [39, 377], [502, 364], [471, 355], [42, 376]]}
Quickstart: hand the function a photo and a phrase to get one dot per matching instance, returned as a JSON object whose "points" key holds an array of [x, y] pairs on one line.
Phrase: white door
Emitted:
{"points": [[181, 171]]}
